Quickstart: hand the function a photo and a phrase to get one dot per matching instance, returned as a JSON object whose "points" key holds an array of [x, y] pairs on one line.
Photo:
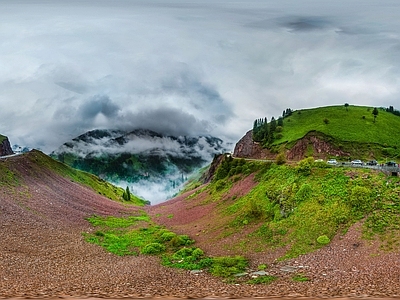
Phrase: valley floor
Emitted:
{"points": [[43, 255]]}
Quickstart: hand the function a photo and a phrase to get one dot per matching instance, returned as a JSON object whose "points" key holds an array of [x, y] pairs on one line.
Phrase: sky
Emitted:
{"points": [[193, 67]]}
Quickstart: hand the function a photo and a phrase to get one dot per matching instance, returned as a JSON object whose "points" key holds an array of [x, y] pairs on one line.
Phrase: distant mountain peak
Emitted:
{"points": [[142, 159]]}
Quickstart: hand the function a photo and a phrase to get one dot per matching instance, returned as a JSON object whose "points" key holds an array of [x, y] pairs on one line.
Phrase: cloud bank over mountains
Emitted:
{"points": [[188, 67], [152, 165]]}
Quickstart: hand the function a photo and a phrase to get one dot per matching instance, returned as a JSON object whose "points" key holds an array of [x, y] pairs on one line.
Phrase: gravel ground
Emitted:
{"points": [[43, 255]]}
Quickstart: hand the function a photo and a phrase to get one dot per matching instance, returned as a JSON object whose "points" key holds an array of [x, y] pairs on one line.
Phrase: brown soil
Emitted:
{"points": [[43, 253]]}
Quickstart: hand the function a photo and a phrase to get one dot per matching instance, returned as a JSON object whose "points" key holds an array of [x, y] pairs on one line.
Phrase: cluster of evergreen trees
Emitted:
{"points": [[265, 132], [286, 113], [393, 111]]}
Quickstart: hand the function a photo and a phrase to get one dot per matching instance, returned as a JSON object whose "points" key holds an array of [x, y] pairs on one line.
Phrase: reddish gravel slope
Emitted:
{"points": [[43, 254]]}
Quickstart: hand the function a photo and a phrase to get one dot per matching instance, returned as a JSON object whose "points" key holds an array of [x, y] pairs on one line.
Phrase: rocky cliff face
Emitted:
{"points": [[313, 143], [5, 147], [247, 148]]}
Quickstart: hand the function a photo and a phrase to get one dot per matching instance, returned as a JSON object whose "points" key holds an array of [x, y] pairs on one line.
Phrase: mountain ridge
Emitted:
{"points": [[140, 158]]}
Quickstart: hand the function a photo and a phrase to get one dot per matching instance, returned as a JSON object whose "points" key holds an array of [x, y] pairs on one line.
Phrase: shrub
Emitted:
{"points": [[323, 240], [304, 166], [303, 193], [228, 266], [260, 208], [197, 253], [181, 240], [220, 185], [182, 253], [167, 236], [326, 121], [153, 248], [280, 159], [360, 198], [188, 259]]}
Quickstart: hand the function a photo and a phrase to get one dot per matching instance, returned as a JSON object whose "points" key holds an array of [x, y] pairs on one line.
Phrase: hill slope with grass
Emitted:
{"points": [[336, 131], [337, 228], [37, 168]]}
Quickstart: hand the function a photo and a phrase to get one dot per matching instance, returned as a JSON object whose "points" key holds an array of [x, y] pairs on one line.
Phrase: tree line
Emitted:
{"points": [[264, 132], [392, 110]]}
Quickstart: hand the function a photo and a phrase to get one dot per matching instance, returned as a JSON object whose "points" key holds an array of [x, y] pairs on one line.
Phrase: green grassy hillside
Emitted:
{"points": [[37, 163], [2, 138], [301, 207], [352, 129]]}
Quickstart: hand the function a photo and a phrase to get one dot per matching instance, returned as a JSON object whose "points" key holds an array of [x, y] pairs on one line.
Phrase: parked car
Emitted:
{"points": [[332, 162], [372, 163], [391, 164], [356, 162]]}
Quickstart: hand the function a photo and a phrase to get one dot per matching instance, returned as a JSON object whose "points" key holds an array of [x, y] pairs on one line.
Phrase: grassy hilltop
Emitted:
{"points": [[350, 129]]}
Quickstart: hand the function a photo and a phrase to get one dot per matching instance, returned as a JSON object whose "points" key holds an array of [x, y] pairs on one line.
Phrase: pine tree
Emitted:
{"points": [[126, 194], [280, 121], [272, 125]]}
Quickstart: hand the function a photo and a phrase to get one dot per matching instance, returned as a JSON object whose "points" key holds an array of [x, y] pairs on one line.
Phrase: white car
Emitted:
{"points": [[332, 162], [357, 162]]}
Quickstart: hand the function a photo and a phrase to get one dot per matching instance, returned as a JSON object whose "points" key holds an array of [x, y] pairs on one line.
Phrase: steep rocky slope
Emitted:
{"points": [[312, 143], [5, 147]]}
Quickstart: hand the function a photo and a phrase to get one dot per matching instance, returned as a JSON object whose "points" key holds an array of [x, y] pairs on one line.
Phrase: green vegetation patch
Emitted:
{"points": [[300, 278], [7, 177], [2, 138], [101, 186], [128, 236], [266, 279], [115, 222], [303, 206]]}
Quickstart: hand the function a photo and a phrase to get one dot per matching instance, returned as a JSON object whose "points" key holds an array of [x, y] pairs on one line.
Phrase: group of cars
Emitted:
{"points": [[358, 162]]}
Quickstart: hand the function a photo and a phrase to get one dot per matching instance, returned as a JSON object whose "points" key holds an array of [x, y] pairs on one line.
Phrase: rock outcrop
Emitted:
{"points": [[247, 148], [5, 147], [317, 144], [313, 143]]}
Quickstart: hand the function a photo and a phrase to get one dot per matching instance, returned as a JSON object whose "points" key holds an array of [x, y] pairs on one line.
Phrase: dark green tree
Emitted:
{"points": [[127, 194], [287, 112], [272, 125], [280, 121], [375, 112], [260, 130]]}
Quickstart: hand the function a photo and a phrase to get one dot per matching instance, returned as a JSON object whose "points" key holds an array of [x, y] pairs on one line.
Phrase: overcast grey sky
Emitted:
{"points": [[188, 67]]}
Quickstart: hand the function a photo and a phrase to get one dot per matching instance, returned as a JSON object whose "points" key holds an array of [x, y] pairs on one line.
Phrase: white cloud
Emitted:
{"points": [[188, 67]]}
